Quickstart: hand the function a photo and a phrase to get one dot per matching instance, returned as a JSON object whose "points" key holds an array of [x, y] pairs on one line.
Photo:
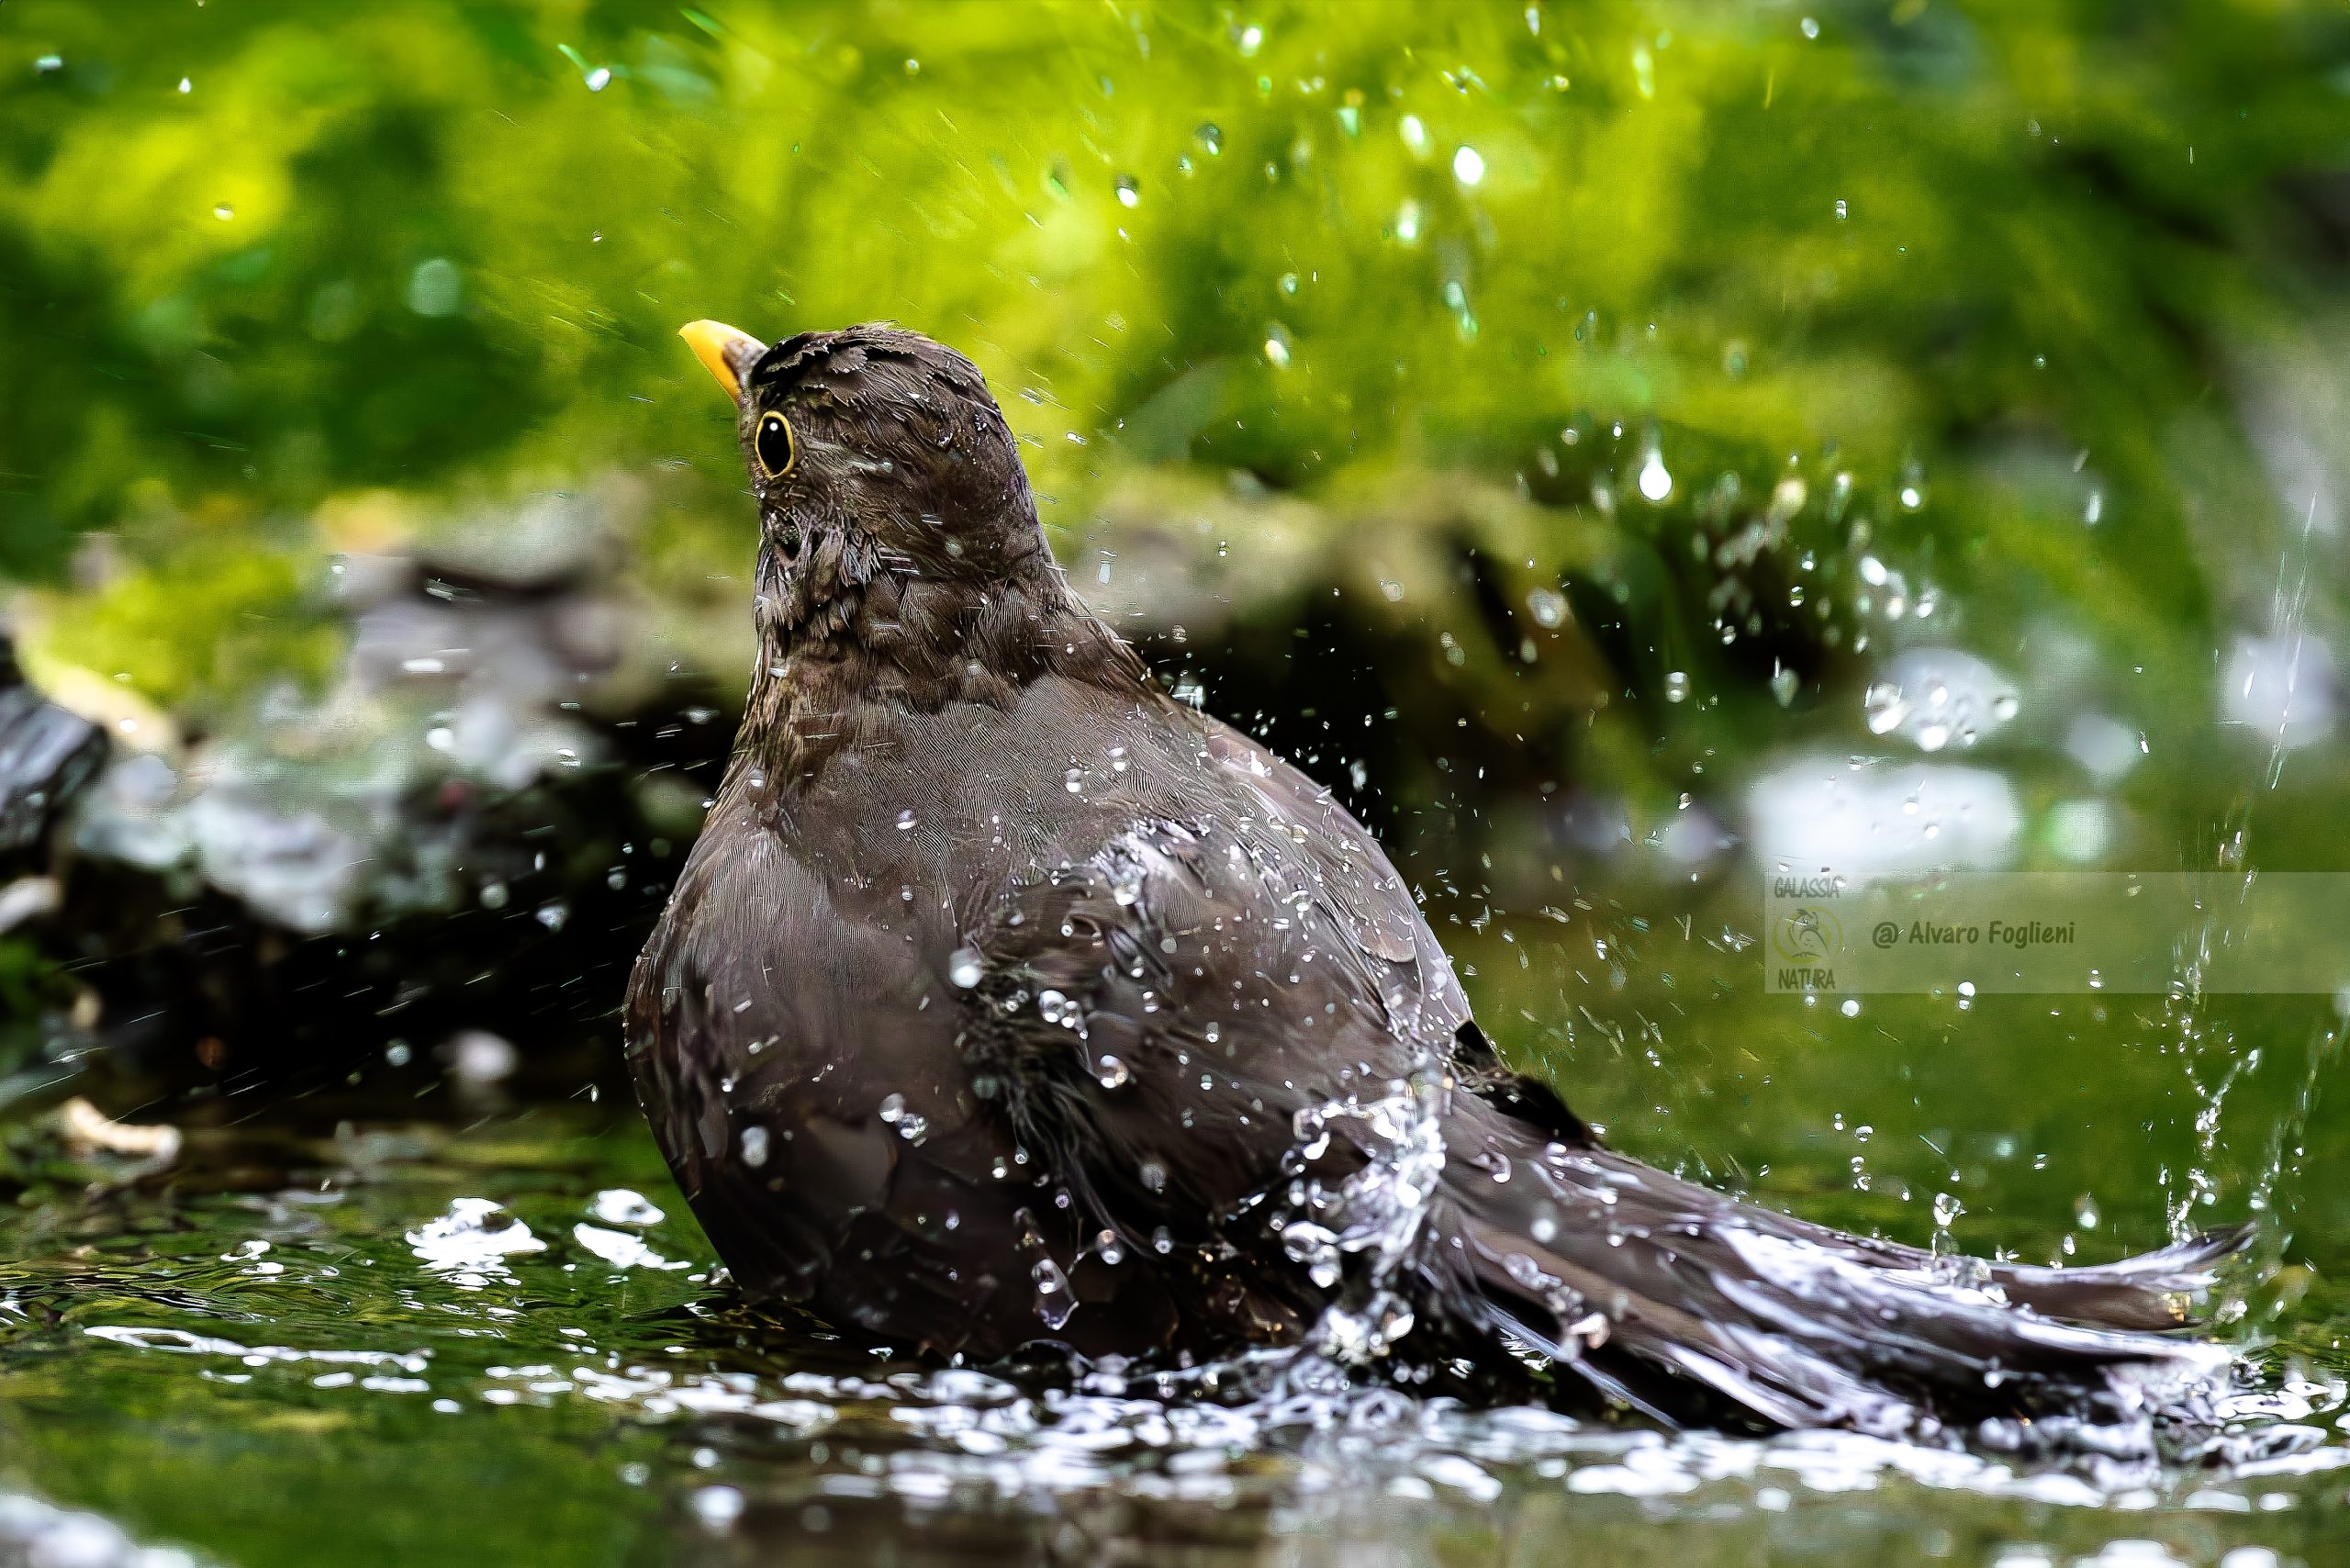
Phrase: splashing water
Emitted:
{"points": [[599, 1377], [2213, 1058], [1374, 1212]]}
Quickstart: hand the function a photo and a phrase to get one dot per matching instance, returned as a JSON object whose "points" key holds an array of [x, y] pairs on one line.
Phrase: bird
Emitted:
{"points": [[1007, 1001]]}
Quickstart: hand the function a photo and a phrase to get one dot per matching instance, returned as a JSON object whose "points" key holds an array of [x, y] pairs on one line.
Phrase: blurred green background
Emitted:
{"points": [[260, 261], [1567, 428]]}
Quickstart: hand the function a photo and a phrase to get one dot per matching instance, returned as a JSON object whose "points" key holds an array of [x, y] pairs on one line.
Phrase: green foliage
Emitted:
{"points": [[420, 246], [199, 618]]}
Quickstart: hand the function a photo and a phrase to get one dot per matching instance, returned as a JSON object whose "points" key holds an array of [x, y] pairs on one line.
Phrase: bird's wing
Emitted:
{"points": [[1156, 1011], [832, 1178]]}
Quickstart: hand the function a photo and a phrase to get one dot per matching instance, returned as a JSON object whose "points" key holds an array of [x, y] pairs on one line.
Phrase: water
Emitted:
{"points": [[500, 1340]]}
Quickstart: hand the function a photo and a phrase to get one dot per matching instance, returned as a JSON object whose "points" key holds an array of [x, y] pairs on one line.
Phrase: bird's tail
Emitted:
{"points": [[1691, 1307]]}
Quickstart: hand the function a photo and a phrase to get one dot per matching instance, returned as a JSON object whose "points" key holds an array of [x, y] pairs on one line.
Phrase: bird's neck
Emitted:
{"points": [[842, 659]]}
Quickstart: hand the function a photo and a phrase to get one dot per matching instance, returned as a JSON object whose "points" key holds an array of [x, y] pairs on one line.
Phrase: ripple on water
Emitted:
{"points": [[568, 1328]]}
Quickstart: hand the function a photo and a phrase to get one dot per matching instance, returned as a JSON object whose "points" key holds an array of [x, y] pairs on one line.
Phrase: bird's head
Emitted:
{"points": [[873, 449]]}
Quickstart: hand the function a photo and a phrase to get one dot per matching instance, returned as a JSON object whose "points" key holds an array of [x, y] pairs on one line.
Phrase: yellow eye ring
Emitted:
{"points": [[774, 446]]}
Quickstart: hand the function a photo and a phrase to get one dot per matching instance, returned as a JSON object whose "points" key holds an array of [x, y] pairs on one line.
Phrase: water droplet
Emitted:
{"points": [[1886, 707], [755, 1147], [963, 968], [1414, 134], [1469, 166], [1676, 685], [1456, 294], [599, 79], [1656, 480], [187, 85], [224, 212], [1055, 1302], [1210, 139], [1548, 607], [905, 820], [1129, 192], [1111, 1073]]}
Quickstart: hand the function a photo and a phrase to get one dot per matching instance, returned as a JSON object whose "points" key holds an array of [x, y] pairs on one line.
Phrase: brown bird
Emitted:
{"points": [[1006, 999]]}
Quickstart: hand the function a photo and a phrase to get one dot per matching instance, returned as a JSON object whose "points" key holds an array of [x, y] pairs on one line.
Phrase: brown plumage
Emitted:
{"points": [[1005, 999]]}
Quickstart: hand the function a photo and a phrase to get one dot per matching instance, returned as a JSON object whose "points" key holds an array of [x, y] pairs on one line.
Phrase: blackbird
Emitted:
{"points": [[1005, 999]]}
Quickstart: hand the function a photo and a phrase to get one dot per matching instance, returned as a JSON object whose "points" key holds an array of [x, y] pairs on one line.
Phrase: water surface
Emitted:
{"points": [[400, 1333]]}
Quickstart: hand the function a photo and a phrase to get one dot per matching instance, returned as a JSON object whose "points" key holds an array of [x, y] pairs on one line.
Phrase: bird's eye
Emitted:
{"points": [[777, 448]]}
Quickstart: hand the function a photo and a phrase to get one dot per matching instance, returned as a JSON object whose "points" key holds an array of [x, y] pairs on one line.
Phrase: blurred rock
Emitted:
{"points": [[460, 838], [47, 754]]}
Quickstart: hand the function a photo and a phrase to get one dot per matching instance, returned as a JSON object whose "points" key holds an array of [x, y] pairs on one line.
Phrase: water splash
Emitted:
{"points": [[2211, 1058], [741, 1424], [1357, 1230]]}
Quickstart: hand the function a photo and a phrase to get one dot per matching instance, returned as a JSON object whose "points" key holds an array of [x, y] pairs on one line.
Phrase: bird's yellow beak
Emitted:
{"points": [[727, 353]]}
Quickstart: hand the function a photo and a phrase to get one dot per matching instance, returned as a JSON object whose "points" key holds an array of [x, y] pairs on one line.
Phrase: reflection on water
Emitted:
{"points": [[495, 1344]]}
